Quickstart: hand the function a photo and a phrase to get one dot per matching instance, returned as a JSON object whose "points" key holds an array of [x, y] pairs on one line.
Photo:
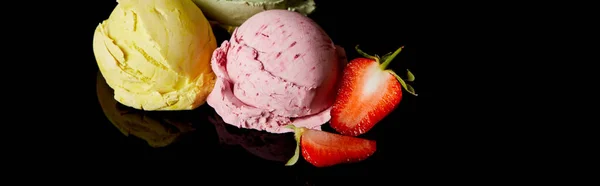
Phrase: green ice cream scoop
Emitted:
{"points": [[232, 13]]}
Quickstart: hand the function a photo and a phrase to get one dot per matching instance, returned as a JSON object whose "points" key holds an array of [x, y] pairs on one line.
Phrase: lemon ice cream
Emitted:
{"points": [[155, 54]]}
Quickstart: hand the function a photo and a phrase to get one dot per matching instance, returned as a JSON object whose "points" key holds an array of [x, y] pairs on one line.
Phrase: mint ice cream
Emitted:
{"points": [[235, 12]]}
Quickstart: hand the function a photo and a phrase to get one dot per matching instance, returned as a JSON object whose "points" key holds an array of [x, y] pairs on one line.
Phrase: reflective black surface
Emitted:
{"points": [[100, 129]]}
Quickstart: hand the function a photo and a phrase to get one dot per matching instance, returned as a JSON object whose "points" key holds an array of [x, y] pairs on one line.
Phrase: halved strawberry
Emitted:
{"points": [[323, 149], [367, 94]]}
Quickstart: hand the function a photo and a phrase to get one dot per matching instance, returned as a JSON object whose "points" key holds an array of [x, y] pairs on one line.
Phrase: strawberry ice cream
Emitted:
{"points": [[278, 68]]}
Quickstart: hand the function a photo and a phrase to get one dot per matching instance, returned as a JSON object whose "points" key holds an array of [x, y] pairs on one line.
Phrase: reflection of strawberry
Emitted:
{"points": [[323, 149], [367, 94]]}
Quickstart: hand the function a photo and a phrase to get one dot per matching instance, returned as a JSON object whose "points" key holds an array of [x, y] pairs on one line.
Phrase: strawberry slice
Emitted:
{"points": [[324, 149], [367, 94]]}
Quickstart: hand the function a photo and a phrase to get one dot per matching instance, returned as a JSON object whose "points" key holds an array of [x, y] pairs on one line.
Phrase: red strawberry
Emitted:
{"points": [[323, 149], [367, 94]]}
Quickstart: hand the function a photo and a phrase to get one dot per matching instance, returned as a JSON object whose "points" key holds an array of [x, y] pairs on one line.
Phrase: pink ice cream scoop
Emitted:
{"points": [[278, 68]]}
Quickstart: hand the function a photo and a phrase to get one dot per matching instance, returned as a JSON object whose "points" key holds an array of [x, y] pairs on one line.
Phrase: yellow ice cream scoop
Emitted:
{"points": [[155, 54]]}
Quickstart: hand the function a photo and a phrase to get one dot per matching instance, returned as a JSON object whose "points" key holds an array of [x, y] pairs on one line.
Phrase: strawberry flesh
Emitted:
{"points": [[367, 94], [323, 149]]}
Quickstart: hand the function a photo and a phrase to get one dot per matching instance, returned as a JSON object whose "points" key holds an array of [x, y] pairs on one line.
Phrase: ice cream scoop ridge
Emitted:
{"points": [[278, 67], [155, 54]]}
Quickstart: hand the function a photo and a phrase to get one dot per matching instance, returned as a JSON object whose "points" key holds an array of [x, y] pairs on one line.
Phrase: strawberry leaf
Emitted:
{"points": [[297, 135], [410, 75], [408, 88], [294, 158], [386, 56], [389, 59], [365, 54]]}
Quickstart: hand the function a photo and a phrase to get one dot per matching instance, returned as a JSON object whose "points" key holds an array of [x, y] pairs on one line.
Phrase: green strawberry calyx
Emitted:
{"points": [[297, 135], [387, 59]]}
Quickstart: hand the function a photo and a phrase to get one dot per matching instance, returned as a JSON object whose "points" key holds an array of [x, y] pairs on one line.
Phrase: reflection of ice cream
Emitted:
{"points": [[157, 131], [155, 54], [235, 12], [278, 67], [274, 147]]}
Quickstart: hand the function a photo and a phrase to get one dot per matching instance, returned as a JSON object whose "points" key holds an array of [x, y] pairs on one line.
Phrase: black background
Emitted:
{"points": [[379, 27]]}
